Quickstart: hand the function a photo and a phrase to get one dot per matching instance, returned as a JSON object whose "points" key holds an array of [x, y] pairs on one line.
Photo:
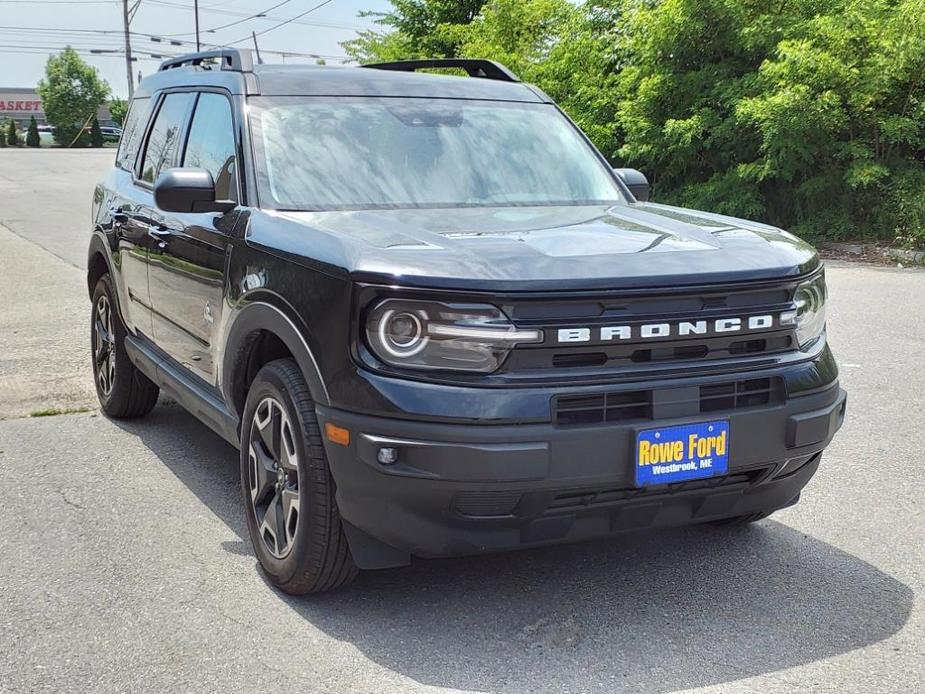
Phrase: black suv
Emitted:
{"points": [[436, 322]]}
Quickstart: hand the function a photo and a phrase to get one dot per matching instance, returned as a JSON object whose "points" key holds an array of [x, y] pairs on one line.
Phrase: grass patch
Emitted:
{"points": [[53, 411]]}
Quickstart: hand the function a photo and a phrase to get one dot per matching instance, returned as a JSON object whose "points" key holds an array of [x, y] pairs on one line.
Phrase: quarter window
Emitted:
{"points": [[132, 131], [162, 143], [211, 144]]}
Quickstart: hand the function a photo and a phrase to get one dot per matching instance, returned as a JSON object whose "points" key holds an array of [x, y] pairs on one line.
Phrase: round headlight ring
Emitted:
{"points": [[403, 346]]}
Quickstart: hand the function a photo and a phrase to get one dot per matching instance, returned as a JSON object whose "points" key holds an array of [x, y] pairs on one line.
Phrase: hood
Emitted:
{"points": [[535, 248]]}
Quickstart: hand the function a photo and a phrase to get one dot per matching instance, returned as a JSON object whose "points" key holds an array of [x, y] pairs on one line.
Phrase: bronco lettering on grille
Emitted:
{"points": [[651, 331]]}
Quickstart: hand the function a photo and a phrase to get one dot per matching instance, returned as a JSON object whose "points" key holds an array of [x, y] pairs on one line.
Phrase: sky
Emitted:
{"points": [[31, 30]]}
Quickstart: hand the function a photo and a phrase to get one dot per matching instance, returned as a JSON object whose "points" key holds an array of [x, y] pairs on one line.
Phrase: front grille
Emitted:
{"points": [[578, 500], [593, 354], [626, 406], [574, 410], [740, 395]]}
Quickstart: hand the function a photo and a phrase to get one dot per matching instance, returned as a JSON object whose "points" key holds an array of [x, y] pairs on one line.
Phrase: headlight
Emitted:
{"points": [[809, 317], [434, 335]]}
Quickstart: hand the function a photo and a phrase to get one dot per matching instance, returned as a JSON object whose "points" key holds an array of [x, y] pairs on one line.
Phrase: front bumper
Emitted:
{"points": [[462, 489]]}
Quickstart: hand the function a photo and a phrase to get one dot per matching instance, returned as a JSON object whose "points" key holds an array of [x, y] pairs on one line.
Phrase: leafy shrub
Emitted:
{"points": [[32, 137], [96, 135], [12, 136]]}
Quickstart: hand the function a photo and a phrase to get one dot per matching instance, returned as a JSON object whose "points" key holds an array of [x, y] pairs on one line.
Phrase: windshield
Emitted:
{"points": [[323, 153]]}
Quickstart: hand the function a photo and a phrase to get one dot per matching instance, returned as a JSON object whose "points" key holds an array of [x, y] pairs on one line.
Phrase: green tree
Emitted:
{"points": [[414, 29], [12, 137], [96, 135], [2, 134], [32, 137], [807, 114], [118, 109], [521, 34], [71, 93]]}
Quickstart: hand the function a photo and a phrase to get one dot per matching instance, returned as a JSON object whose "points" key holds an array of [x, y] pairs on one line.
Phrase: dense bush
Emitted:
{"points": [[32, 136], [808, 114], [96, 135], [12, 135]]}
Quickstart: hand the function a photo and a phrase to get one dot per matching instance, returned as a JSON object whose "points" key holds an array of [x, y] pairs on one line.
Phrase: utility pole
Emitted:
{"points": [[257, 48], [196, 12], [128, 50]]}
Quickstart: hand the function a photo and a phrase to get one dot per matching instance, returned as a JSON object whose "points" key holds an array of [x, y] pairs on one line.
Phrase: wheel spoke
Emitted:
{"points": [[263, 476], [290, 503], [288, 457], [103, 333], [269, 426], [271, 524]]}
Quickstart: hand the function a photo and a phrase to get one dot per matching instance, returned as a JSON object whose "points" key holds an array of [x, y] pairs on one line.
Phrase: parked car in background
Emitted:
{"points": [[46, 135], [111, 133]]}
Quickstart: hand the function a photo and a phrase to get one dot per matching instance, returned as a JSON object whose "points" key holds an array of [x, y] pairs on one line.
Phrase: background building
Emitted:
{"points": [[20, 104]]}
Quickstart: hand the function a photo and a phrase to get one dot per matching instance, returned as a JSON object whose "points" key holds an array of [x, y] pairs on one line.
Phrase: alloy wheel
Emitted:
{"points": [[104, 348], [274, 477]]}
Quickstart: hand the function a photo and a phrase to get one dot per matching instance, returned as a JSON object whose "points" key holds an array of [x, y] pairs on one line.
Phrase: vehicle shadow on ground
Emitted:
{"points": [[653, 612]]}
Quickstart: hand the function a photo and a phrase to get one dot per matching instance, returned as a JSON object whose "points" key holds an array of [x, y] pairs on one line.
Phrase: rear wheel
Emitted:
{"points": [[288, 490], [122, 389]]}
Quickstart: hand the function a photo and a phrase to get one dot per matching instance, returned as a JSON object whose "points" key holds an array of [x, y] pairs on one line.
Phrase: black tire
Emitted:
{"points": [[747, 519], [307, 553], [123, 391]]}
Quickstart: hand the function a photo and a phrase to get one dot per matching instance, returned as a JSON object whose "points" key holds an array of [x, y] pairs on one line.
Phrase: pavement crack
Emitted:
{"points": [[70, 502]]}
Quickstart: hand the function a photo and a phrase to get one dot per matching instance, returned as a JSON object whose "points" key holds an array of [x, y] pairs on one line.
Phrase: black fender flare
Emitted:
{"points": [[98, 246], [260, 315]]}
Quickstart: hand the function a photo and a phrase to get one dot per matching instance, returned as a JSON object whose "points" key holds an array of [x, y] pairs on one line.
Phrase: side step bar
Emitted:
{"points": [[198, 398]]}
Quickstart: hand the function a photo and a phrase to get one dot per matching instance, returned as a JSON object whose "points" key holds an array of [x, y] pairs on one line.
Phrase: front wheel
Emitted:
{"points": [[288, 491]]}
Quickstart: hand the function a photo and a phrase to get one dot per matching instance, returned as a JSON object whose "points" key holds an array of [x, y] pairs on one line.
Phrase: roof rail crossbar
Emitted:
{"points": [[487, 69], [234, 59]]}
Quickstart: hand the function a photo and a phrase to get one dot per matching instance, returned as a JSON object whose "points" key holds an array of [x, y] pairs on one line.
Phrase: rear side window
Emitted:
{"points": [[211, 144], [162, 142], [134, 128]]}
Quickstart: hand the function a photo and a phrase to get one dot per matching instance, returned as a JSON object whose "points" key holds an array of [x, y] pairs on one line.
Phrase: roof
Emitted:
{"points": [[321, 80]]}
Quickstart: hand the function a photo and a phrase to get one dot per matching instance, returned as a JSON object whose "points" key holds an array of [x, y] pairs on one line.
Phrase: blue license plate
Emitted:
{"points": [[680, 453]]}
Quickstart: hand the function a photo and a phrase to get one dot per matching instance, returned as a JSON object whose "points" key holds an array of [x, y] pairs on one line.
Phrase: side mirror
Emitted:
{"points": [[636, 181], [188, 190]]}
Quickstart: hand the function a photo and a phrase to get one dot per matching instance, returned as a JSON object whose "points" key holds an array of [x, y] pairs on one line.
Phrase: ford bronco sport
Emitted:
{"points": [[436, 322]]}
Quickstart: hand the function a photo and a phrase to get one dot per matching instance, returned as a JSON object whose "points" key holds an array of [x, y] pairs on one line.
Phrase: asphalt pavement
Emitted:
{"points": [[125, 564], [46, 196]]}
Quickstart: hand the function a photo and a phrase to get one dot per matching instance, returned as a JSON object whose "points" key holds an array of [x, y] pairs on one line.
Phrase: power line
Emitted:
{"points": [[111, 44], [58, 2], [281, 24], [261, 16], [258, 15]]}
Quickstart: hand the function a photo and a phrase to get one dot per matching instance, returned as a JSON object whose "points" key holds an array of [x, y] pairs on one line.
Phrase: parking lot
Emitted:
{"points": [[125, 564]]}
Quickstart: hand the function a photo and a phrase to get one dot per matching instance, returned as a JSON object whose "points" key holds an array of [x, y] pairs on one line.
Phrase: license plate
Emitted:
{"points": [[680, 453]]}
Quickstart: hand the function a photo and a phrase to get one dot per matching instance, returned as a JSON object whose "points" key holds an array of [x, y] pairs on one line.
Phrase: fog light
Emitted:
{"points": [[387, 456]]}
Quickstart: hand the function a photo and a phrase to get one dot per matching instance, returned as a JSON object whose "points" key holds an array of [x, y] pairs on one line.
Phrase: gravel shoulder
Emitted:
{"points": [[44, 332]]}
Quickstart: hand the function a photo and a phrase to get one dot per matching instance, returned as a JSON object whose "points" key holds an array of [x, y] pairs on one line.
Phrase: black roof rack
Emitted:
{"points": [[487, 69], [234, 59]]}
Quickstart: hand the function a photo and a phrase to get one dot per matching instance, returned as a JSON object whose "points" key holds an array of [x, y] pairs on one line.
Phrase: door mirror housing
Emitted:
{"points": [[636, 181], [188, 190]]}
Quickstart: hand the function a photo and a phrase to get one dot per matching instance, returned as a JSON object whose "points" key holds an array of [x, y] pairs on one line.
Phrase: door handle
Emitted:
{"points": [[161, 234], [117, 215]]}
